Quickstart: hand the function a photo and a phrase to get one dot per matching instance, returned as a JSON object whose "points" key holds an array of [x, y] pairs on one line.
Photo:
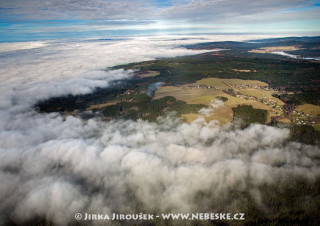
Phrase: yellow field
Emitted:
{"points": [[193, 94], [183, 92], [231, 102], [224, 115], [285, 120], [222, 83], [201, 100], [309, 109]]}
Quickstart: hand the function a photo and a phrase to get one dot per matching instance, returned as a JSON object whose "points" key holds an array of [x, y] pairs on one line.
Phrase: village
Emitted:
{"points": [[279, 111]]}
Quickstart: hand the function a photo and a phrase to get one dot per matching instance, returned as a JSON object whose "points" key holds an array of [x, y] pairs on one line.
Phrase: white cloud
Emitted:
{"points": [[214, 104], [9, 47], [64, 167], [231, 11], [195, 10], [46, 69], [80, 9]]}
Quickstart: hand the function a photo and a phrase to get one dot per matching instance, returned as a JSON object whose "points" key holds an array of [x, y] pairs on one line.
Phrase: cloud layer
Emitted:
{"points": [[52, 167], [203, 10], [55, 168], [29, 20]]}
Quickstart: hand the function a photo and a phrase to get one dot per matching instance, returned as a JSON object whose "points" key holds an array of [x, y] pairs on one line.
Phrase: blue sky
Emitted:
{"points": [[164, 3], [23, 20]]}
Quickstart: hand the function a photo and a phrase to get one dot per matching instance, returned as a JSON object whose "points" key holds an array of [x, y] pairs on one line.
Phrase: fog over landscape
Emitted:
{"points": [[53, 166]]}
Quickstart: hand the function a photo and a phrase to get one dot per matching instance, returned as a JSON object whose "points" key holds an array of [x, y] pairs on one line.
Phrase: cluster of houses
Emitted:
{"points": [[297, 117], [269, 102], [199, 86], [301, 118], [241, 86], [246, 86], [303, 121], [128, 92]]}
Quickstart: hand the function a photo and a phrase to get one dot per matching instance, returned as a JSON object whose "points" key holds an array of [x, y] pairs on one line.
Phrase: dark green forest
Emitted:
{"points": [[250, 115], [144, 107]]}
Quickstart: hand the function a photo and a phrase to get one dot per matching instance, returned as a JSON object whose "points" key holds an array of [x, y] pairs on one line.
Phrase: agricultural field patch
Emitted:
{"points": [[309, 109]]}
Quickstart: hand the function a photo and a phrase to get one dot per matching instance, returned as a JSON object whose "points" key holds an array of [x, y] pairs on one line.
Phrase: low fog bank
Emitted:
{"points": [[52, 167], [56, 168], [30, 72]]}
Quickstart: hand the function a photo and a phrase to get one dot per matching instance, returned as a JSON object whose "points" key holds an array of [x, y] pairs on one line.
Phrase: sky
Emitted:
{"points": [[31, 20]]}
